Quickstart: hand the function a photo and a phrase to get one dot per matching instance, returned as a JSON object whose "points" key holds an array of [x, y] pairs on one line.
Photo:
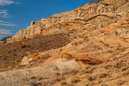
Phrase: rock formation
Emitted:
{"points": [[91, 16]]}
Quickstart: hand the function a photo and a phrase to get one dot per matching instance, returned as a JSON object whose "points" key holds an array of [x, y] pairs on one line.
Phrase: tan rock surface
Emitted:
{"points": [[98, 14]]}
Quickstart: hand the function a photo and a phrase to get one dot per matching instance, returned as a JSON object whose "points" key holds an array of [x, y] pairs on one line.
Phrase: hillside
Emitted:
{"points": [[87, 46]]}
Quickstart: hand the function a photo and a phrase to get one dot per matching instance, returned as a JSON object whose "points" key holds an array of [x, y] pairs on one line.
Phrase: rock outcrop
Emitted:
{"points": [[26, 60], [91, 16], [88, 60]]}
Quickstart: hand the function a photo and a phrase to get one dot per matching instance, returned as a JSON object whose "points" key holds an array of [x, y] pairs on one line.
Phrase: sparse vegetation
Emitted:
{"points": [[75, 79], [16, 51], [103, 75], [92, 78]]}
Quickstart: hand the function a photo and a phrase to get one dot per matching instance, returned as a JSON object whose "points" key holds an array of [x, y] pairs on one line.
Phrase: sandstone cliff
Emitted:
{"points": [[89, 17]]}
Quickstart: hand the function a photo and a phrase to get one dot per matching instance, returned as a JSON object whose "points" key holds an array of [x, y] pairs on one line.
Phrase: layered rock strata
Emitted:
{"points": [[87, 18]]}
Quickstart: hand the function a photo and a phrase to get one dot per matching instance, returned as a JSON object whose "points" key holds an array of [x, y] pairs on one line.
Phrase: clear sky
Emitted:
{"points": [[18, 14]]}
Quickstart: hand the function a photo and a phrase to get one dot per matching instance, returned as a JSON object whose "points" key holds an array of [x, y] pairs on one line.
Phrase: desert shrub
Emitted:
{"points": [[103, 75], [92, 78], [89, 84], [88, 67], [58, 79], [119, 65], [75, 72], [108, 66], [125, 68], [89, 70], [40, 78], [75, 80], [63, 82], [33, 77]]}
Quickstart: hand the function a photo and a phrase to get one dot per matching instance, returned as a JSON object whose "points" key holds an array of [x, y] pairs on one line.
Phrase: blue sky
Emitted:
{"points": [[18, 14]]}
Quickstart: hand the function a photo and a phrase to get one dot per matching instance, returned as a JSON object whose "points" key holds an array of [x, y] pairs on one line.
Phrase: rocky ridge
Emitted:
{"points": [[91, 16]]}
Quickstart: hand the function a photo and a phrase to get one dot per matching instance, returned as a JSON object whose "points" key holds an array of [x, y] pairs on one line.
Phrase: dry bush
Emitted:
{"points": [[58, 79], [89, 84], [89, 70], [92, 78], [63, 82], [103, 75], [75, 80], [125, 68], [75, 72], [108, 66]]}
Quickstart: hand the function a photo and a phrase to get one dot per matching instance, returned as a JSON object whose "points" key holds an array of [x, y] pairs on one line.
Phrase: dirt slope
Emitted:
{"points": [[12, 54]]}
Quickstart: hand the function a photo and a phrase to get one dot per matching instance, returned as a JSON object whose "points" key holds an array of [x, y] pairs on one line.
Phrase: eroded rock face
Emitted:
{"points": [[96, 14], [88, 60], [115, 2]]}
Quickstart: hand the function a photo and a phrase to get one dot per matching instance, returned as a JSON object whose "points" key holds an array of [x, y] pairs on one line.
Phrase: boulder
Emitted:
{"points": [[25, 60], [88, 60], [66, 56]]}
